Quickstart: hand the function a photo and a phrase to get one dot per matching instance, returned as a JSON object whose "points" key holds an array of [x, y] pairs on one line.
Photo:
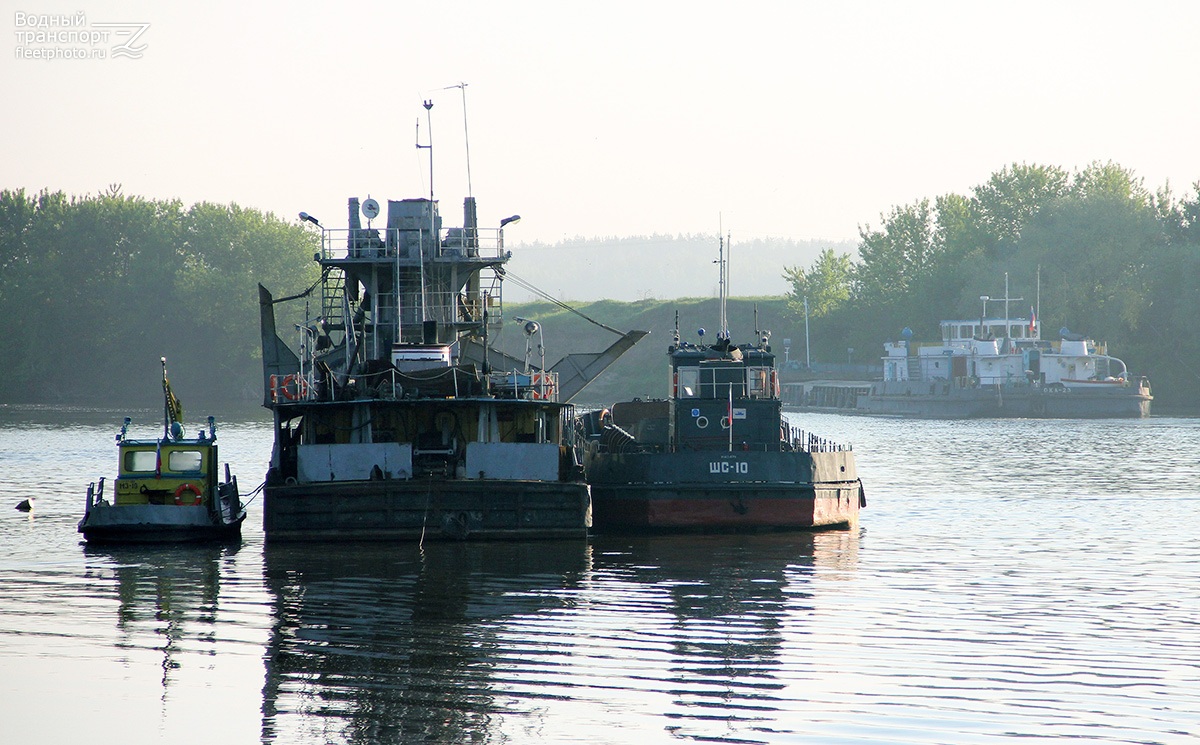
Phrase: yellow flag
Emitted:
{"points": [[173, 405], [174, 408]]}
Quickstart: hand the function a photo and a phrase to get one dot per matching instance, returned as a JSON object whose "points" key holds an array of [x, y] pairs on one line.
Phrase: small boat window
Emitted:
{"points": [[759, 379], [140, 460], [689, 381], [184, 460], [718, 382]]}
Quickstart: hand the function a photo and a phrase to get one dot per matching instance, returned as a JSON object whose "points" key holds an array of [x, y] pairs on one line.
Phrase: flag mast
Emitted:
{"points": [[166, 400]]}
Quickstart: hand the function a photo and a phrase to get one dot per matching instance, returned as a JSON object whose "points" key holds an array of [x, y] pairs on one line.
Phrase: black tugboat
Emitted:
{"points": [[717, 455], [394, 419]]}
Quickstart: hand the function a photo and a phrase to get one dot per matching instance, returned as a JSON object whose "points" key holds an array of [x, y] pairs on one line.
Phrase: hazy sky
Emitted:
{"points": [[794, 119]]}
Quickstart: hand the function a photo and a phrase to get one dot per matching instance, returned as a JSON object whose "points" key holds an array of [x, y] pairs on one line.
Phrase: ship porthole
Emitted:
{"points": [[701, 422], [724, 422]]}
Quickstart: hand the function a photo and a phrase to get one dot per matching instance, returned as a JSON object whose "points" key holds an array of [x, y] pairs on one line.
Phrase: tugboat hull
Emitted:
{"points": [[700, 508], [717, 491], [105, 523], [428, 509], [947, 401]]}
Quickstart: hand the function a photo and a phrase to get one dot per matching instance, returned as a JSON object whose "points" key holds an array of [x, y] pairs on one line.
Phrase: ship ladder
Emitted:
{"points": [[331, 297]]}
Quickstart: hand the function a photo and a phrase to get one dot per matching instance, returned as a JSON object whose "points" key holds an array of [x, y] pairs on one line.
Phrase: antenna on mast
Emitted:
{"points": [[729, 253], [463, 87], [429, 120], [428, 104], [1038, 312], [720, 262]]}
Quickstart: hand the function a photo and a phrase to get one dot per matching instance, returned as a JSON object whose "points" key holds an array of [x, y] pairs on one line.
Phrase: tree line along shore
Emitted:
{"points": [[94, 289]]}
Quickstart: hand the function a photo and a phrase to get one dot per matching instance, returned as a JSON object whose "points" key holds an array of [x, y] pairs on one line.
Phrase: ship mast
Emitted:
{"points": [[466, 138], [1038, 313], [725, 299], [428, 104], [723, 266]]}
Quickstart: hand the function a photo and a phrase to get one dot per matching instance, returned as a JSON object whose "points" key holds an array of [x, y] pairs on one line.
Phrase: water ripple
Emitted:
{"points": [[1009, 581]]}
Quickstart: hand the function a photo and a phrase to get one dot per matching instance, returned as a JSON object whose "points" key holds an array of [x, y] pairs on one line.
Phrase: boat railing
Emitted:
{"points": [[539, 385], [1016, 346], [449, 309], [799, 440], [372, 244], [386, 385], [291, 388]]}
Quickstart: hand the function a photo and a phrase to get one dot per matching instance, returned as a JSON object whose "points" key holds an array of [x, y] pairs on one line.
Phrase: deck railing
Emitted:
{"points": [[372, 244]]}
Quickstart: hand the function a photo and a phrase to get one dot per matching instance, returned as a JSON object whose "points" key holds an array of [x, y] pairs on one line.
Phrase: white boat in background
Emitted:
{"points": [[989, 367], [1001, 367]]}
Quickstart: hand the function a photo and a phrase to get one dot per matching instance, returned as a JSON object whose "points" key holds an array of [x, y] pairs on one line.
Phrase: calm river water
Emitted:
{"points": [[1009, 580]]}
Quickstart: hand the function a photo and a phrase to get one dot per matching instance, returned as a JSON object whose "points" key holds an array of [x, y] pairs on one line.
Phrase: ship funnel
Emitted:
{"points": [[354, 224], [470, 223]]}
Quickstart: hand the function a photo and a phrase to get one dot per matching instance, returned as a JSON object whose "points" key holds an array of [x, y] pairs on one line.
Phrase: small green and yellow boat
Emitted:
{"points": [[168, 489]]}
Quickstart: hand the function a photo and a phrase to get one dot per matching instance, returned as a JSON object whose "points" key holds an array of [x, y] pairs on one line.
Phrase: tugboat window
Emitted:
{"points": [[184, 460], [689, 380], [722, 381], [140, 460], [759, 381]]}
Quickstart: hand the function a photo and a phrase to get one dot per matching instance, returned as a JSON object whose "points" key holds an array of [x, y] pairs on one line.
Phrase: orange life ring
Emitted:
{"points": [[286, 388], [542, 385], [292, 387], [187, 488]]}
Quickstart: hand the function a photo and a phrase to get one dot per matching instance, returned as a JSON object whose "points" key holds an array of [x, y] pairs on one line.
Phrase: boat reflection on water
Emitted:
{"points": [[167, 598], [380, 644], [732, 626], [463, 641]]}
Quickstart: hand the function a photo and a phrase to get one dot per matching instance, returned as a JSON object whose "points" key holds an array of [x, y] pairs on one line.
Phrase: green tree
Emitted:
{"points": [[825, 285], [1109, 180], [893, 257], [96, 289], [226, 252], [1005, 203], [1167, 344]]}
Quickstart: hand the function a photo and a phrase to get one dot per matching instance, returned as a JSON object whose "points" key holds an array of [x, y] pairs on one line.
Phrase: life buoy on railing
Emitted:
{"points": [[183, 489], [292, 387], [542, 385]]}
